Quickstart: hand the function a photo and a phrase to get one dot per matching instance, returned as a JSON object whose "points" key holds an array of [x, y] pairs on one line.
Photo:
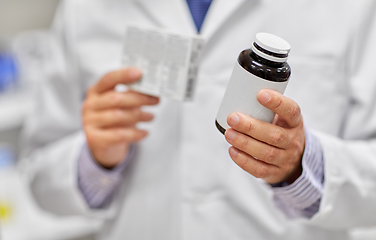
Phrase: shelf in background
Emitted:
{"points": [[13, 109]]}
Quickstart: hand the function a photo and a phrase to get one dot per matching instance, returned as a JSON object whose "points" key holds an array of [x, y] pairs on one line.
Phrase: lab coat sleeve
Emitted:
{"points": [[52, 135], [349, 196], [350, 183]]}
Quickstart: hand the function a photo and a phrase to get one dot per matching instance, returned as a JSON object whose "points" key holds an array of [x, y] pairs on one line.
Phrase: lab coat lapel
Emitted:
{"points": [[219, 12], [171, 14], [175, 15]]}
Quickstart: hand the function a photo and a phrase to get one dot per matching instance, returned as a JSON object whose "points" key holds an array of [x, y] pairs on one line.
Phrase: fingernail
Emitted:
{"points": [[233, 120], [148, 116], [264, 97], [134, 73], [231, 134], [154, 100], [233, 152]]}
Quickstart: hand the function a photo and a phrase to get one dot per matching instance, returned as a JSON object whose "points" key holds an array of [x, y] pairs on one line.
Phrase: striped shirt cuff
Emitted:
{"points": [[96, 183], [305, 193]]}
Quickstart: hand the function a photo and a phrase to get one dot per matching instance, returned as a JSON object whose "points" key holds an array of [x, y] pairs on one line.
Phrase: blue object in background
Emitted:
{"points": [[7, 157], [8, 71]]}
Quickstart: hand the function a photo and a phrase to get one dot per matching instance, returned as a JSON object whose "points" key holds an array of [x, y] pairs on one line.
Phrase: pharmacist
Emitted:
{"points": [[172, 176]]}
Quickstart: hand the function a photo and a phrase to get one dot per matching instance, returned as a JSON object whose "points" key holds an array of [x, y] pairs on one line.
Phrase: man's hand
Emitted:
{"points": [[110, 117], [272, 152]]}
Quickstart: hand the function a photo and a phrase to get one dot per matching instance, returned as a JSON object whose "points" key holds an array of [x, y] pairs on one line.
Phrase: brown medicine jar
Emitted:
{"points": [[266, 59]]}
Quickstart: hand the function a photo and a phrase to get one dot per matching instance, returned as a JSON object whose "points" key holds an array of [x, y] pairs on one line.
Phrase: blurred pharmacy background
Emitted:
{"points": [[23, 36]]}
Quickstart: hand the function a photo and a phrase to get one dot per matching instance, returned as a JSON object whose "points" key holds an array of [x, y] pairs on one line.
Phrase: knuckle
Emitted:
{"points": [[87, 105], [130, 116], [249, 127], [262, 171], [120, 135], [116, 115], [86, 117], [289, 138], [90, 138], [244, 143], [242, 161], [278, 103], [296, 144], [107, 76], [271, 154], [290, 163], [115, 99], [277, 137], [85, 121], [294, 111], [131, 99], [133, 135], [90, 90]]}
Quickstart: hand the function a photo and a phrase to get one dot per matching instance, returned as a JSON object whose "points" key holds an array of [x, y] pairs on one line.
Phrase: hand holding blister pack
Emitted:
{"points": [[169, 61], [263, 66]]}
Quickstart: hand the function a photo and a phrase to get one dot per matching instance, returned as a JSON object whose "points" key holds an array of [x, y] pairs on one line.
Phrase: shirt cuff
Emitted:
{"points": [[305, 193], [96, 183]]}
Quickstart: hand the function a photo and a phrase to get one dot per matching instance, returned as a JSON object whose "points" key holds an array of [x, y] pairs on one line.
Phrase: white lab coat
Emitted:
{"points": [[182, 184]]}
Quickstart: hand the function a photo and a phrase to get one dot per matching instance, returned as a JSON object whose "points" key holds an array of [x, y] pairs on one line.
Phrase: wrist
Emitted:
{"points": [[294, 175], [110, 157]]}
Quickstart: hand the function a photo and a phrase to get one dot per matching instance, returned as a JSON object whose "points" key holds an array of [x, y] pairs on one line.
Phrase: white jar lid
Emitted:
{"points": [[272, 43]]}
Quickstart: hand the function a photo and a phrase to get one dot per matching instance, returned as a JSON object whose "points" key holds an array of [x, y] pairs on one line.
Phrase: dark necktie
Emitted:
{"points": [[198, 9]]}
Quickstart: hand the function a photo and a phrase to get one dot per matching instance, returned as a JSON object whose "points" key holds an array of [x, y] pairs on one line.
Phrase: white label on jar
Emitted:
{"points": [[241, 96]]}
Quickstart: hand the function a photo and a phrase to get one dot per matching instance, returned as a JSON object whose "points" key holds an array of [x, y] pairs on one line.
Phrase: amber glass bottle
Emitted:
{"points": [[263, 66]]}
